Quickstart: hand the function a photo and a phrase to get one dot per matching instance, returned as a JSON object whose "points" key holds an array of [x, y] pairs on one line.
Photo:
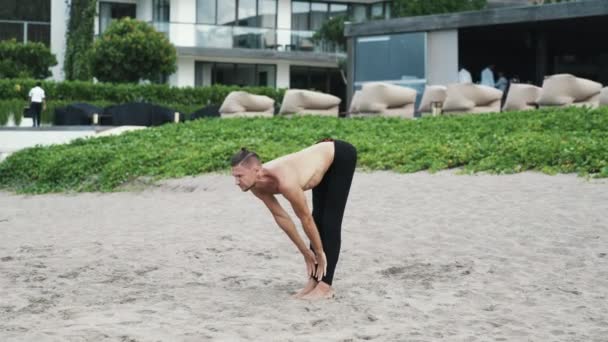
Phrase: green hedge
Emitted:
{"points": [[78, 91], [572, 140]]}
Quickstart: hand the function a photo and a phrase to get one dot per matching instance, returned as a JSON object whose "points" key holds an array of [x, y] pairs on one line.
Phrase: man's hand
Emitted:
{"points": [[311, 262], [321, 266]]}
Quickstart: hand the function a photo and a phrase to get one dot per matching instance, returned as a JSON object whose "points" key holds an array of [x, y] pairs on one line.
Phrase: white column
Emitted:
{"points": [[59, 24], [284, 22], [184, 76], [442, 57], [283, 78]]}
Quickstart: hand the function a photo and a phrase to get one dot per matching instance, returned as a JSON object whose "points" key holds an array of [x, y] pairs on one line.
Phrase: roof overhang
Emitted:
{"points": [[271, 55], [499, 16]]}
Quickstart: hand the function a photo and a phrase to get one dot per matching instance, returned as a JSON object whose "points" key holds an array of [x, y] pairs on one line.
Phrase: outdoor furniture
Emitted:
{"points": [[432, 93], [521, 97], [471, 98], [567, 90], [377, 98], [301, 102], [604, 97], [79, 114], [243, 104], [141, 114]]}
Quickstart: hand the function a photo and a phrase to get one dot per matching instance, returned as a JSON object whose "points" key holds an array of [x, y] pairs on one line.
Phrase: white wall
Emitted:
{"points": [[283, 78], [442, 57], [183, 16], [184, 76], [59, 24]]}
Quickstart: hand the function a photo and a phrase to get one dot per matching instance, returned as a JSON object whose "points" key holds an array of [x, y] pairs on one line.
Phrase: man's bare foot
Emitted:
{"points": [[321, 291], [312, 283]]}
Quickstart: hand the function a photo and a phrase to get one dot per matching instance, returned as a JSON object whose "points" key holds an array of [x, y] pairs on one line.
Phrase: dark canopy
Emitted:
{"points": [[76, 114]]}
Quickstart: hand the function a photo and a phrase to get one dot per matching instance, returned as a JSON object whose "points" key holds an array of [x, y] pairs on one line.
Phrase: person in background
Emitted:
{"points": [[37, 103], [464, 76], [487, 76], [502, 83]]}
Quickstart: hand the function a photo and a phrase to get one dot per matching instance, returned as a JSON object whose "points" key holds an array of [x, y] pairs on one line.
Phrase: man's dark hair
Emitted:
{"points": [[244, 156], [38, 84]]}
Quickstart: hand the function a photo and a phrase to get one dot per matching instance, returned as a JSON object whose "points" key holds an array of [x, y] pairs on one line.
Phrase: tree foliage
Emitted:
{"points": [[131, 50], [31, 60], [408, 8], [77, 65]]}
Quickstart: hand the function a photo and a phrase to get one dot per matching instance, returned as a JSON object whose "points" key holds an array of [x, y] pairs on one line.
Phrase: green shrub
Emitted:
{"points": [[572, 140], [77, 64], [407, 8], [78, 91], [131, 50], [25, 60]]}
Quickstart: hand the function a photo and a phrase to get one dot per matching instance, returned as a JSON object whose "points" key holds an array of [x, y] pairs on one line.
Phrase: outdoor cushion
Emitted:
{"points": [[432, 93], [377, 98], [299, 101], [241, 103], [521, 97], [471, 98], [568, 90], [604, 97]]}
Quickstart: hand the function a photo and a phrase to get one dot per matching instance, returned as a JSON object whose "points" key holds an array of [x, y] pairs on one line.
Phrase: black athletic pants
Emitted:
{"points": [[329, 200]]}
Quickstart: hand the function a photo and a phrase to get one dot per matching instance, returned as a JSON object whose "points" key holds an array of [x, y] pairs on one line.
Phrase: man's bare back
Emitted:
{"points": [[304, 168]]}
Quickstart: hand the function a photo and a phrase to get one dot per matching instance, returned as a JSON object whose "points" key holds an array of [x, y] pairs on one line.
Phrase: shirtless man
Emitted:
{"points": [[327, 168]]}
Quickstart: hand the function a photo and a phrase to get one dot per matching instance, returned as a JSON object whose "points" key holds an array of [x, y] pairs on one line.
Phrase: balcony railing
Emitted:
{"points": [[228, 37], [26, 31]]}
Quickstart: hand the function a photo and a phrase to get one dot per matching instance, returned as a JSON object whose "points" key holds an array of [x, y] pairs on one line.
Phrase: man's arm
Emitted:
{"points": [[297, 198], [283, 220]]}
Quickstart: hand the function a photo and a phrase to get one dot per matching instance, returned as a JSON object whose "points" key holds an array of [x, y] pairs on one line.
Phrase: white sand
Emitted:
{"points": [[424, 258]]}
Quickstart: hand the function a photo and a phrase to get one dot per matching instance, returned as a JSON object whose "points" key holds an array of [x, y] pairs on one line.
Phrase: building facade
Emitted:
{"points": [[525, 43], [231, 42]]}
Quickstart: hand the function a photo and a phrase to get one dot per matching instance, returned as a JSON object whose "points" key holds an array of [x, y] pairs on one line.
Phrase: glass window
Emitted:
{"points": [[318, 15], [111, 10], [399, 57], [247, 13], [300, 11], [359, 13], [267, 13], [205, 11], [31, 10], [226, 12], [266, 75], [338, 9], [378, 11], [387, 10], [235, 74], [161, 11]]}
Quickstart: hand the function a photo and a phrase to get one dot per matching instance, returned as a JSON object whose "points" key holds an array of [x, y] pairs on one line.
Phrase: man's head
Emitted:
{"points": [[38, 84], [245, 167]]}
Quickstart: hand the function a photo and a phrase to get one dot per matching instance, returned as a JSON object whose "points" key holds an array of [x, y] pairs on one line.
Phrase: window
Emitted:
{"points": [[109, 11], [247, 13], [359, 13], [338, 9], [318, 15], [30, 10], [205, 11], [377, 10], [226, 12], [208, 73], [300, 12], [267, 13], [161, 11]]}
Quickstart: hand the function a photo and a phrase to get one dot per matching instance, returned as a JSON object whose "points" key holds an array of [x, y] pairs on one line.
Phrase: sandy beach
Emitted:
{"points": [[425, 257]]}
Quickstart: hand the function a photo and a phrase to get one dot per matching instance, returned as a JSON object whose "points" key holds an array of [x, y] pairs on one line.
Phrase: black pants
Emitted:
{"points": [[35, 109], [329, 200]]}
